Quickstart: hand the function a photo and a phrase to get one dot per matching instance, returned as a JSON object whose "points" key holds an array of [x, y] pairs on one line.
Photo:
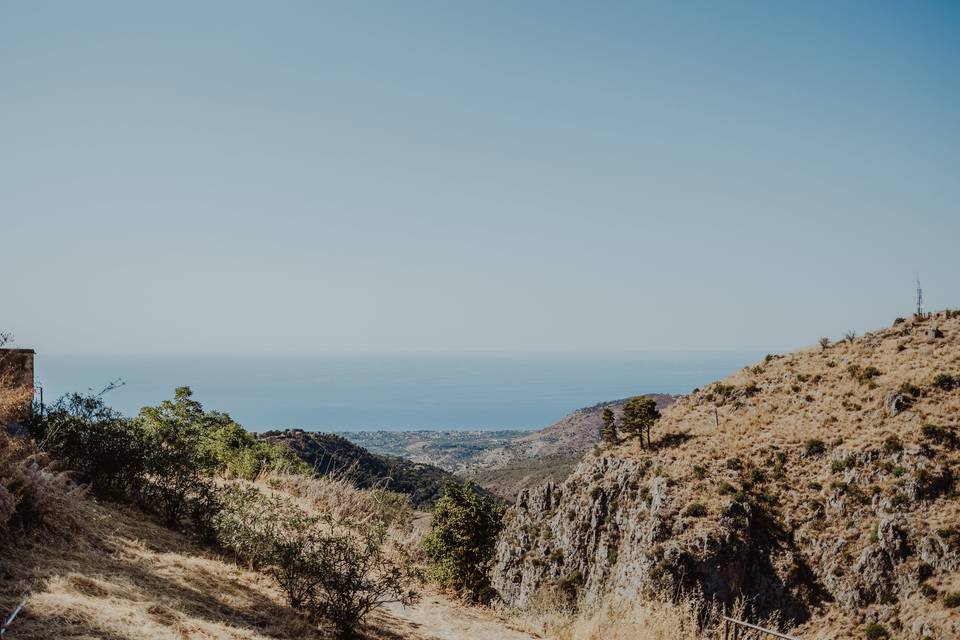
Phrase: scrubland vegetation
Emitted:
{"points": [[821, 484], [334, 551], [815, 491]]}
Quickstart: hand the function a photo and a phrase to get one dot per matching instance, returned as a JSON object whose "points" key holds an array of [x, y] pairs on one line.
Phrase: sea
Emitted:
{"points": [[391, 391]]}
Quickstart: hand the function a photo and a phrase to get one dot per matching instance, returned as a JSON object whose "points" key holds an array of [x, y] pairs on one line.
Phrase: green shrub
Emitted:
{"points": [[842, 464], [95, 442], [863, 375], [876, 631], [910, 389], [952, 600], [725, 488], [940, 435], [695, 510], [814, 447], [461, 541], [946, 382], [892, 445]]}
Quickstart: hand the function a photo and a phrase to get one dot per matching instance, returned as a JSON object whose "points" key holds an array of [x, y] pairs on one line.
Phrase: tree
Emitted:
{"points": [[95, 442], [639, 414], [461, 541], [824, 343], [176, 462], [609, 430]]}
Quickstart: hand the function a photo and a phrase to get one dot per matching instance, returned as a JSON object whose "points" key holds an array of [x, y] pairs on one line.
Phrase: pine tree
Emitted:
{"points": [[609, 430], [639, 414]]}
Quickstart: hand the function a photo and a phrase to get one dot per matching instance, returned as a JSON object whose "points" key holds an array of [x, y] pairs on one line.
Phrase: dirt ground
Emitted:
{"points": [[436, 617]]}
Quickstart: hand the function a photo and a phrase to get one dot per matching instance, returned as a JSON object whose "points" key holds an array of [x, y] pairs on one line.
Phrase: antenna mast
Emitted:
{"points": [[919, 298]]}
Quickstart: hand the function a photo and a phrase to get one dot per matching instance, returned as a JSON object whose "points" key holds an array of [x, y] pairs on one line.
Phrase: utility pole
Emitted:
{"points": [[919, 298]]}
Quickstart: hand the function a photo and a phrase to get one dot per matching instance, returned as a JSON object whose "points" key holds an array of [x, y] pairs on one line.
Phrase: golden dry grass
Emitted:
{"points": [[652, 618], [807, 395], [111, 571], [120, 575]]}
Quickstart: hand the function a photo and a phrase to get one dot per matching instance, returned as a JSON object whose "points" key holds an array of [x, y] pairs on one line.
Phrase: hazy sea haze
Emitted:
{"points": [[393, 391]]}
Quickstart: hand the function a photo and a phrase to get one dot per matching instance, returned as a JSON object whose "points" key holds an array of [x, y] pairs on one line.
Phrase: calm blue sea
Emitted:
{"points": [[391, 391]]}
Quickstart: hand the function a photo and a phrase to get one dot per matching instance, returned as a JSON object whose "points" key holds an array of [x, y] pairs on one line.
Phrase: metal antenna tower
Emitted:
{"points": [[919, 298]]}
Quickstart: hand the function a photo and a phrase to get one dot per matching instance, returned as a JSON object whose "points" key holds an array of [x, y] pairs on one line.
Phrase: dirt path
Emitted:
{"points": [[438, 618]]}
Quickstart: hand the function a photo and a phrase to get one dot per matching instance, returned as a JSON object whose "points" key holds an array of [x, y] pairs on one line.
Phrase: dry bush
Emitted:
{"points": [[339, 498], [33, 493], [333, 568], [14, 400]]}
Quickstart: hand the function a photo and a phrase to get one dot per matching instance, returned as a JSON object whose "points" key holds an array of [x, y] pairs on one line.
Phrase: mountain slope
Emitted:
{"points": [[576, 432], [334, 455], [820, 484], [550, 453]]}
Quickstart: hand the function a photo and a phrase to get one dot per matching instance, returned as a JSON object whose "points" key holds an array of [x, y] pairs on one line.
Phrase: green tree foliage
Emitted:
{"points": [[164, 458], [639, 414], [461, 541], [609, 430], [95, 442], [177, 462]]}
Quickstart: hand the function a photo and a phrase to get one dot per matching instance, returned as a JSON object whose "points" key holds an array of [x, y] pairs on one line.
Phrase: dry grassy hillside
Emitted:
{"points": [[105, 570], [821, 484], [550, 453]]}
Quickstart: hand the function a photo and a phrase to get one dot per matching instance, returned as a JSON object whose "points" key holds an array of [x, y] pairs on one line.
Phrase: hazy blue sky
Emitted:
{"points": [[284, 176]]}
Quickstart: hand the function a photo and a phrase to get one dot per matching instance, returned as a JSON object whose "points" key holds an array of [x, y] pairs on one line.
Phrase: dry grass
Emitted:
{"points": [[33, 492], [123, 576], [805, 395], [769, 411], [117, 574], [656, 618]]}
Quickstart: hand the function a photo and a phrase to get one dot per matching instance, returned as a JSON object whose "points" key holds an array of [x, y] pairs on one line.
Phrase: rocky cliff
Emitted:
{"points": [[820, 485]]}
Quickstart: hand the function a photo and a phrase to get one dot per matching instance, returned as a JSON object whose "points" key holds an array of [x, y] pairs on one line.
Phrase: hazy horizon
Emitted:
{"points": [[349, 392]]}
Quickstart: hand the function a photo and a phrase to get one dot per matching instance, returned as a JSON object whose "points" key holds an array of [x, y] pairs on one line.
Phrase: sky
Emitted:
{"points": [[312, 177]]}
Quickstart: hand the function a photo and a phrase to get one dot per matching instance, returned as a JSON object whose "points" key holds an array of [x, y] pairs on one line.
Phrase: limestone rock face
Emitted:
{"points": [[616, 529], [896, 403], [621, 536]]}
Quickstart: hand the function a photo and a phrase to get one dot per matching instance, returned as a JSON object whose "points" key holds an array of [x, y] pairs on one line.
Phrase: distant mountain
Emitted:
{"points": [[502, 461], [331, 454], [577, 432], [550, 453]]}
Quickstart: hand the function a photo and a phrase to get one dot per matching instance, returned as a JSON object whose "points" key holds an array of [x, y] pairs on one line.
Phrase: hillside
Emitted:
{"points": [[333, 455], [503, 462], [576, 432], [548, 454], [821, 484], [110, 571], [455, 451]]}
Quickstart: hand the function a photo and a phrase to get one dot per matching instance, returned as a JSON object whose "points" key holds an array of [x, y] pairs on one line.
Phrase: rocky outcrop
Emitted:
{"points": [[615, 530], [821, 486]]}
